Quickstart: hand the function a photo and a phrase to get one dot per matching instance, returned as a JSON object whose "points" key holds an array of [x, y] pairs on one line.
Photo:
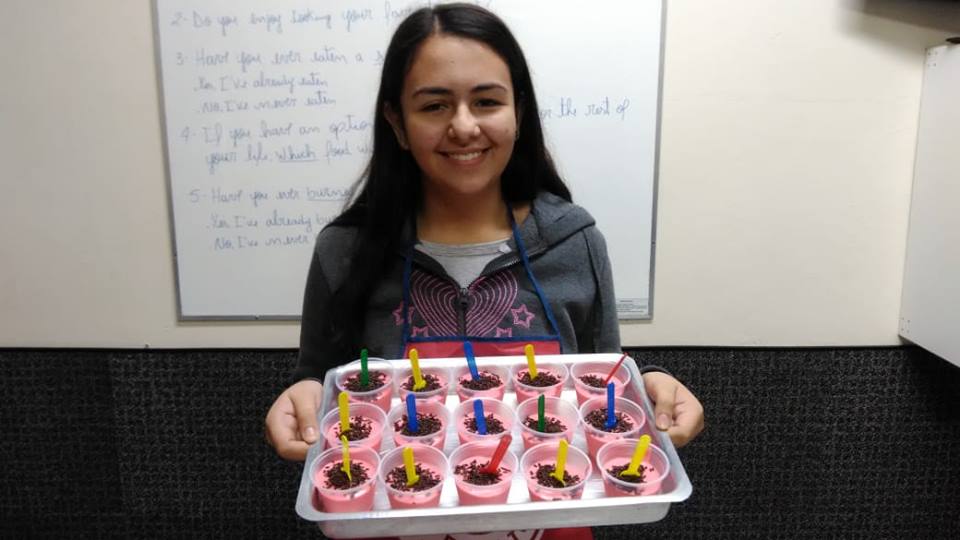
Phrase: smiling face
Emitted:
{"points": [[458, 116]]}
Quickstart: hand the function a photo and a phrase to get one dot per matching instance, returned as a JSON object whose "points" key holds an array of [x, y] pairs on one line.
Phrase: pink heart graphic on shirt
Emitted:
{"points": [[489, 299]]}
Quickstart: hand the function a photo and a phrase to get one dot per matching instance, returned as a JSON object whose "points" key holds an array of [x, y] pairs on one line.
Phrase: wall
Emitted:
{"points": [[786, 162]]}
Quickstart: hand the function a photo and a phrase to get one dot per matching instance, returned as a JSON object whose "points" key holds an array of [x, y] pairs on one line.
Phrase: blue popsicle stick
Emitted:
{"points": [[611, 414], [481, 419], [412, 414], [471, 360]]}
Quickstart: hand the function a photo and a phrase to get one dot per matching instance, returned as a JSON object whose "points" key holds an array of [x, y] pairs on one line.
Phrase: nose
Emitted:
{"points": [[463, 126]]}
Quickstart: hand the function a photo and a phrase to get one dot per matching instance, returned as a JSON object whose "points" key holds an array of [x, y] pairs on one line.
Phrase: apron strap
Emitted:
{"points": [[536, 285]]}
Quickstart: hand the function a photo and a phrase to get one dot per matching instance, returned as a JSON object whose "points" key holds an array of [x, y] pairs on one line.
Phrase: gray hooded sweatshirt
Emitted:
{"points": [[568, 258]]}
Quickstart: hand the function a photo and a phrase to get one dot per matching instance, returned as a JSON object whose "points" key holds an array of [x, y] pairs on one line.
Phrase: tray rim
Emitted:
{"points": [[336, 521]]}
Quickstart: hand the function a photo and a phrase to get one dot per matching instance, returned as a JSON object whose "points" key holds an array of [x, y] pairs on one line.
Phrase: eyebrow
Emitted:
{"points": [[441, 91]]}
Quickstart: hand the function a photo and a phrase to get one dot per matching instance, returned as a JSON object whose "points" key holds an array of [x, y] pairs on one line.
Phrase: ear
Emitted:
{"points": [[397, 124]]}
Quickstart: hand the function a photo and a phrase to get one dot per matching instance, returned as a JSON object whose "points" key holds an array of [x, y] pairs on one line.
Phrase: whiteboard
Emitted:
{"points": [[930, 309], [268, 115]]}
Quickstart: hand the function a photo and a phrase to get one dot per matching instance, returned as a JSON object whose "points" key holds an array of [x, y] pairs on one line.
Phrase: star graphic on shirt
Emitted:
{"points": [[521, 316], [420, 331], [504, 332]]}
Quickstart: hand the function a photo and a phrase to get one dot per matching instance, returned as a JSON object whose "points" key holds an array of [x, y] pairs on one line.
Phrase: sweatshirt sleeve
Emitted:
{"points": [[315, 354], [606, 328]]}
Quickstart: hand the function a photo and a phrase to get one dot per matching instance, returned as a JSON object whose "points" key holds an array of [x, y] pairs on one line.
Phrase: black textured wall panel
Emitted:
{"points": [[800, 443]]}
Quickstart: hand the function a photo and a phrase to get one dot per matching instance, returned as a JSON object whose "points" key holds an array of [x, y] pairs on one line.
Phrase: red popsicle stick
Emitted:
{"points": [[614, 370], [498, 454]]}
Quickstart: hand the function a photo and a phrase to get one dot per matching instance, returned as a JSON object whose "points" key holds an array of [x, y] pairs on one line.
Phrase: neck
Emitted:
{"points": [[457, 219]]}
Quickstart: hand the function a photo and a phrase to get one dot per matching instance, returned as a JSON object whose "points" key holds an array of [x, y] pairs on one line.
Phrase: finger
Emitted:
{"points": [[293, 450], [664, 398], [688, 420], [305, 408]]}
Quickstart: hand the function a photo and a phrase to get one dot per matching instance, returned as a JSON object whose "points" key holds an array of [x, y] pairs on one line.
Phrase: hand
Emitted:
{"points": [[291, 423], [676, 409]]}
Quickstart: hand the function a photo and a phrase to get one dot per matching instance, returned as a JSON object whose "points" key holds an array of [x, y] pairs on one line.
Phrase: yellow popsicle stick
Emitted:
{"points": [[561, 462], [418, 382], [346, 457], [531, 363], [639, 453], [343, 401], [412, 476]]}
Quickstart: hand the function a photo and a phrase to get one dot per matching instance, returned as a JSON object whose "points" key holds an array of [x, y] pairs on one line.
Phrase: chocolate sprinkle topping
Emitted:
{"points": [[472, 473], [550, 424], [335, 478], [397, 479], [598, 419], [360, 428], [486, 381], [375, 380], [433, 383], [544, 378], [639, 479], [494, 425], [593, 380], [427, 423], [543, 472]]}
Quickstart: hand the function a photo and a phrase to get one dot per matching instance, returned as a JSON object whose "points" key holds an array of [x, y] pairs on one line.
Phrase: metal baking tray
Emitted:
{"points": [[519, 512]]}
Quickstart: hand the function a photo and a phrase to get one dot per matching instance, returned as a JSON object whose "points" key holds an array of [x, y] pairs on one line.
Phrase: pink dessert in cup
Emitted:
{"points": [[431, 467], [338, 492], [549, 381], [492, 383], [432, 420], [474, 484], [560, 421], [613, 460], [629, 419], [378, 388], [588, 379], [366, 426], [498, 417], [539, 463], [435, 389]]}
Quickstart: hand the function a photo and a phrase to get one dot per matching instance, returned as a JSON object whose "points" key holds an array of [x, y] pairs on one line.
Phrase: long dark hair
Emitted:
{"points": [[389, 191]]}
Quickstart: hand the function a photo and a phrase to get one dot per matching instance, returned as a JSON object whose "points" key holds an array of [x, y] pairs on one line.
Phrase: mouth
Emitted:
{"points": [[466, 157]]}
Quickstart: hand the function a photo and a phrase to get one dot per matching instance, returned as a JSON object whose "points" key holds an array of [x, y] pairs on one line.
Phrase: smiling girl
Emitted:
{"points": [[461, 229]]}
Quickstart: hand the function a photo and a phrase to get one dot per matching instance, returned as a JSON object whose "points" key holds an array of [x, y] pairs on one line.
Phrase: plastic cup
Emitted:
{"points": [[578, 465], [621, 378], [618, 453], [428, 458], [330, 426], [481, 452], [379, 396], [464, 413], [525, 391], [405, 376], [598, 437], [355, 499], [435, 439], [462, 374], [557, 408]]}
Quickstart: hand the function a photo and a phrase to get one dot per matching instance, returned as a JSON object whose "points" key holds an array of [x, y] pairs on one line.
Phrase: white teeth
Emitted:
{"points": [[465, 157]]}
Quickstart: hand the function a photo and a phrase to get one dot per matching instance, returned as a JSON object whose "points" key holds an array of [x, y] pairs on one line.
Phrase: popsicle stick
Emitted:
{"points": [[639, 452], [561, 462], [498, 454], [411, 468], [343, 403], [614, 370], [364, 371], [346, 457], [611, 413], [418, 382], [412, 424], [481, 418], [541, 413], [531, 363], [471, 360]]}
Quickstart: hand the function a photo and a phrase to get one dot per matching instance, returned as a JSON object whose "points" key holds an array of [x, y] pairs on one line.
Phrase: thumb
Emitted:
{"points": [[305, 408], [664, 396]]}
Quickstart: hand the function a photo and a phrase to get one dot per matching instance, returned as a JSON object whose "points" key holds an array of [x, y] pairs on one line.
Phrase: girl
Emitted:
{"points": [[461, 229]]}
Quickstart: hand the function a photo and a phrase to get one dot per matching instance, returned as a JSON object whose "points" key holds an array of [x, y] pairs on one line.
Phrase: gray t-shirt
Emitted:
{"points": [[464, 262]]}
